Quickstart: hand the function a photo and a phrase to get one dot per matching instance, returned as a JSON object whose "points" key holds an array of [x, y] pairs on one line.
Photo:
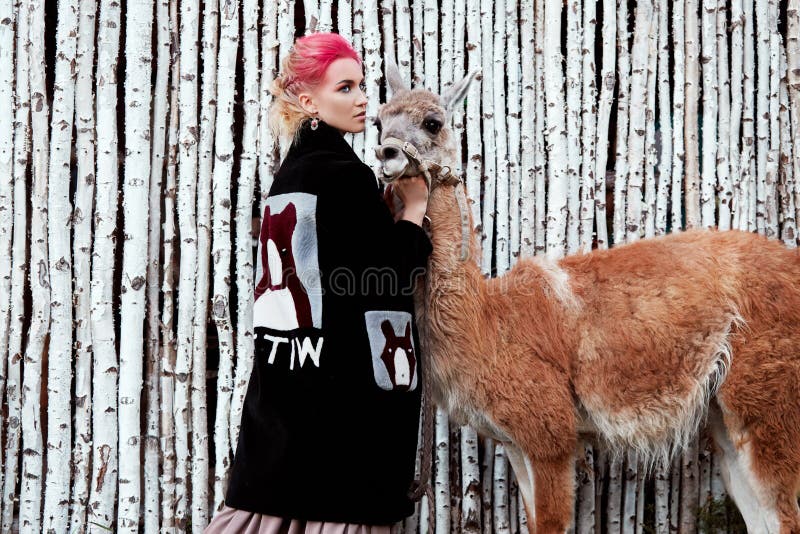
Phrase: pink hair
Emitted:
{"points": [[312, 54], [302, 70]]}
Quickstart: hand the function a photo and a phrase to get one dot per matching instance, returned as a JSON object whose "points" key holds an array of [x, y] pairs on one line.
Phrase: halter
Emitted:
{"points": [[443, 174]]}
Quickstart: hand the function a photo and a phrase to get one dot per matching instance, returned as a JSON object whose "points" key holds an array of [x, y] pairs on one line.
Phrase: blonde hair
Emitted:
{"points": [[302, 70]]}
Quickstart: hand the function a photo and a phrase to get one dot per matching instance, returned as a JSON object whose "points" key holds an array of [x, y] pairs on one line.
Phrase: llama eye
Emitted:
{"points": [[432, 125]]}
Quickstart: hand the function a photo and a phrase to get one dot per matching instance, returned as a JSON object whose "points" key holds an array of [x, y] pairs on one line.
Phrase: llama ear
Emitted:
{"points": [[394, 78], [407, 335], [454, 95], [386, 328]]}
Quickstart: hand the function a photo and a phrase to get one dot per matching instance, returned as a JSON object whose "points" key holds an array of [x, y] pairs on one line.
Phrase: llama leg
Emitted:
{"points": [[759, 513], [523, 469], [554, 494]]}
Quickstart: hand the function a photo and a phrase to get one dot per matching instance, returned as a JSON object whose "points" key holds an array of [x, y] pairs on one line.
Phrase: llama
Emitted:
{"points": [[637, 345]]}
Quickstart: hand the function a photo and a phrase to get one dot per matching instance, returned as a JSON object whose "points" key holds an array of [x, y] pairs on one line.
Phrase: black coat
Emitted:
{"points": [[329, 426]]}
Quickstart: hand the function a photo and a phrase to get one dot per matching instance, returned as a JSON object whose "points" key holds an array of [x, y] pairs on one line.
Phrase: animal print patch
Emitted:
{"points": [[394, 356], [288, 295]]}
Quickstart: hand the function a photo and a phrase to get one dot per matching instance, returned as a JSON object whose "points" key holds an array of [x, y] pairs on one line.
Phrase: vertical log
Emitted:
{"points": [[59, 353], [614, 510], [442, 476], [513, 127], [787, 184], [747, 157], [539, 155], [771, 208], [708, 59], [221, 246], [168, 341], [470, 482], [679, 111], [608, 82], [489, 146], [763, 211], [20, 162], [586, 487], [690, 489], [33, 448], [738, 205], [662, 499], [793, 88], [499, 134], [372, 68], [665, 121], [556, 131], [573, 120], [588, 127], [623, 104], [208, 111], [692, 193], [650, 154], [723, 138], [527, 161], [81, 248]]}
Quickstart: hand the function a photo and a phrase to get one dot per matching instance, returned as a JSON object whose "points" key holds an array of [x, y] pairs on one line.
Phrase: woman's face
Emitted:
{"points": [[339, 100]]}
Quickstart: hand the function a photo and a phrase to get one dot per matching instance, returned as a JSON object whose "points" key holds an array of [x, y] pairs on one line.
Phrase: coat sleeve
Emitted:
{"points": [[382, 254]]}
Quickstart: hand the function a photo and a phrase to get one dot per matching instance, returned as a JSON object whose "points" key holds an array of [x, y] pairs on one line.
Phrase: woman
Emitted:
{"points": [[329, 428]]}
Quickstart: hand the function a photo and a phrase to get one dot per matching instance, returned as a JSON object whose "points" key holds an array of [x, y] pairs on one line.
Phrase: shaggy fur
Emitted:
{"points": [[633, 343]]}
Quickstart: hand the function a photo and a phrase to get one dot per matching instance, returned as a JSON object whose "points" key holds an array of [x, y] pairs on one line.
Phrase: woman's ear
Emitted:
{"points": [[307, 103]]}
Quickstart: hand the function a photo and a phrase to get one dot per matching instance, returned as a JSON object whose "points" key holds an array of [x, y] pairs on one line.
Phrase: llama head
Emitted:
{"points": [[420, 117], [398, 356]]}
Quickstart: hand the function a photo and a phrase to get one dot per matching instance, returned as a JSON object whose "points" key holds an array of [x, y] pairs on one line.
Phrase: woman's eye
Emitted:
{"points": [[345, 87], [433, 126]]}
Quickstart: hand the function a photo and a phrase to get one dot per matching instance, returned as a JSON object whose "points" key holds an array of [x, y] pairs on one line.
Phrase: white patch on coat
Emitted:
{"points": [[658, 431], [276, 309], [558, 283], [403, 375]]}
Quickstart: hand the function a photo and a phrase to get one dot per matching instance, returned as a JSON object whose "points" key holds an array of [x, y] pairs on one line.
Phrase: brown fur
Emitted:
{"points": [[632, 343]]}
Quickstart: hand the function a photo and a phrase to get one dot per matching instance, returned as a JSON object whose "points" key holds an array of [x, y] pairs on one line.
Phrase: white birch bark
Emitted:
{"points": [[470, 482], [500, 134], [638, 119], [311, 12], [489, 144], [573, 119], [7, 75], [208, 109], [762, 114], [152, 449], [430, 42], [588, 126], [513, 127], [285, 40], [661, 500], [710, 110], [748, 119], [81, 249], [344, 20], [19, 258], [793, 88], [675, 493], [325, 15], [704, 470], [59, 211], [32, 476], [771, 209], [358, 45], [623, 105], [402, 13], [417, 35], [738, 206], [389, 39], [527, 125], [723, 138], [556, 131], [138, 91], [168, 341], [221, 251], [607, 81], [690, 490], [473, 119], [614, 510], [500, 512], [586, 491], [650, 156], [442, 476], [269, 70], [692, 187], [665, 120], [631, 490], [187, 190], [372, 77], [679, 110], [540, 157], [487, 485], [787, 185], [105, 364]]}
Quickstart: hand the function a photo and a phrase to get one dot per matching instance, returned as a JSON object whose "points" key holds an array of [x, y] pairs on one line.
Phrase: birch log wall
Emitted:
{"points": [[126, 277]]}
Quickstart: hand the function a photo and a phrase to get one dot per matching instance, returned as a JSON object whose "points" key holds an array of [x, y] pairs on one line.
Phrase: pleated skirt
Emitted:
{"points": [[233, 521]]}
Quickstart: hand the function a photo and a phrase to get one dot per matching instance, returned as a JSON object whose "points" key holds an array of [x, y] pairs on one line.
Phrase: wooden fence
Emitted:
{"points": [[134, 160]]}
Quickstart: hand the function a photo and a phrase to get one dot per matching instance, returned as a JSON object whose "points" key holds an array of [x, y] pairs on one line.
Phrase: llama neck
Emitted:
{"points": [[446, 264]]}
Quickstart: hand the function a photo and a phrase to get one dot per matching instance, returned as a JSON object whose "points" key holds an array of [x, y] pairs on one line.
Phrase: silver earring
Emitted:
{"points": [[314, 123]]}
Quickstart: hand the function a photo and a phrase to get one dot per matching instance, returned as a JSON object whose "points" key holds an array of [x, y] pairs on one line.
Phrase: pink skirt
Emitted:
{"points": [[233, 521]]}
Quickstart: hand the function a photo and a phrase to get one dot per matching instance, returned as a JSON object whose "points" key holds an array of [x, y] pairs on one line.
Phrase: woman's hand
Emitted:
{"points": [[413, 193]]}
